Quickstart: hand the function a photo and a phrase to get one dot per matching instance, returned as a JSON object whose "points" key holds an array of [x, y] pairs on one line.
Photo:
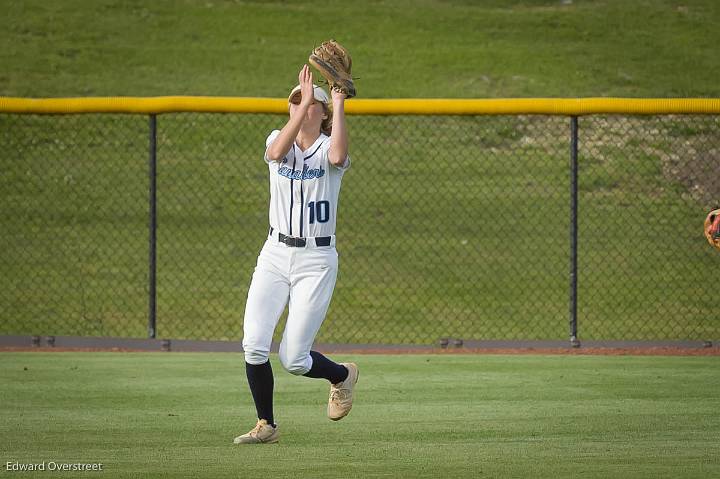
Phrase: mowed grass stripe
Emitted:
{"points": [[415, 416], [402, 48]]}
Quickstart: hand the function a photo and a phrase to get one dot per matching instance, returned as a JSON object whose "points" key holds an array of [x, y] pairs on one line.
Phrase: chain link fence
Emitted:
{"points": [[449, 226]]}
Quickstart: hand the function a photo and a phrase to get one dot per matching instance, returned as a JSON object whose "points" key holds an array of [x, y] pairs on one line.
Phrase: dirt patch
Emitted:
{"points": [[697, 170], [640, 351]]}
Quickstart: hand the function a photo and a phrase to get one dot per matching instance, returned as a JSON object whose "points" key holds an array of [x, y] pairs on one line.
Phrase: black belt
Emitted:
{"points": [[296, 242]]}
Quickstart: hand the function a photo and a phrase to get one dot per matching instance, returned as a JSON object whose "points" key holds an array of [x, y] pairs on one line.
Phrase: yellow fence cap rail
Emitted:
{"points": [[414, 106], [536, 106], [147, 105]]}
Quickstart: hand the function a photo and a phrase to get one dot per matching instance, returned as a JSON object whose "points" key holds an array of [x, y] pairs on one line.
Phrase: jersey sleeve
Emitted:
{"points": [[326, 157], [271, 137]]}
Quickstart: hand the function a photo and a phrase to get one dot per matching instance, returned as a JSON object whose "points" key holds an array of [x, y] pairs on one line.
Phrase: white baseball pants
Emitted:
{"points": [[303, 276]]}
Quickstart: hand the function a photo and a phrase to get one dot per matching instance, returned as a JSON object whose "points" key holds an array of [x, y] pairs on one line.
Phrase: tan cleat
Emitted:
{"points": [[262, 433], [341, 394]]}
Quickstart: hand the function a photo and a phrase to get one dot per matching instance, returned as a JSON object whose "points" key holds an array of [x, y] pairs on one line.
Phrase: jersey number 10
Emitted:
{"points": [[319, 211]]}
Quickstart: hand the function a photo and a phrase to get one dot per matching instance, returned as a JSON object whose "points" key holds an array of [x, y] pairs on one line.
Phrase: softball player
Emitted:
{"points": [[298, 263]]}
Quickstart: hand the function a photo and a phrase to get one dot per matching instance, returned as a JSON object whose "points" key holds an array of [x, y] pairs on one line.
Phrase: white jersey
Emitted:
{"points": [[304, 189]]}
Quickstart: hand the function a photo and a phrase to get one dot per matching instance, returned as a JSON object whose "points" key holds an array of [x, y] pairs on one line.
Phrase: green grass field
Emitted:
{"points": [[174, 415]]}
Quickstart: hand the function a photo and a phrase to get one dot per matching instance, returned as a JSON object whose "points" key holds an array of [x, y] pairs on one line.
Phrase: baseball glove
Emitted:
{"points": [[333, 62], [712, 228]]}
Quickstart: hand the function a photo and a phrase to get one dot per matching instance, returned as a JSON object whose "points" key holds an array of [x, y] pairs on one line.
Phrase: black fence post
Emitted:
{"points": [[574, 342], [152, 226]]}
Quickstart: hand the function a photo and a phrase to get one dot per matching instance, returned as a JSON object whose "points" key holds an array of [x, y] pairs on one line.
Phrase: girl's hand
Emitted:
{"points": [[307, 95], [337, 95]]}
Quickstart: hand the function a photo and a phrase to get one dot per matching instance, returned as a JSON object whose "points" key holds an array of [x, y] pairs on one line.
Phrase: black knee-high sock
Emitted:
{"points": [[322, 367], [260, 379]]}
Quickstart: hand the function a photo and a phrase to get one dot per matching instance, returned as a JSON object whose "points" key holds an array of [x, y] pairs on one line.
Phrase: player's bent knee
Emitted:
{"points": [[297, 366], [297, 369], [255, 353]]}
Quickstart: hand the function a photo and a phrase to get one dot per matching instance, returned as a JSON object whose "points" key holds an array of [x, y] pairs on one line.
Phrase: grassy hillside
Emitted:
{"points": [[449, 227], [401, 48]]}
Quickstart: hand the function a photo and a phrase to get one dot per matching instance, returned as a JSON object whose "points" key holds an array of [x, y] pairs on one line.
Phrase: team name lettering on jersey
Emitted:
{"points": [[305, 174], [304, 189]]}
